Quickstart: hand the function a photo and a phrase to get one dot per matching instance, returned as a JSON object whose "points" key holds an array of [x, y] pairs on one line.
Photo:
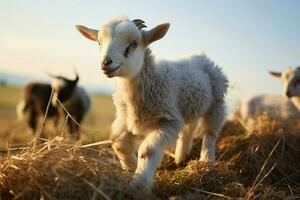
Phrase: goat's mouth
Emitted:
{"points": [[109, 72]]}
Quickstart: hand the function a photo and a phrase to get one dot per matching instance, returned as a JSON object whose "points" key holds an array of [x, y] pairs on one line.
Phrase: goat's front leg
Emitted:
{"points": [[124, 143], [151, 152], [125, 146], [119, 126]]}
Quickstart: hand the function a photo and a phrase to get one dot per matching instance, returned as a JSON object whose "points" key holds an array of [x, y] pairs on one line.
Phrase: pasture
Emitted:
{"points": [[251, 164], [94, 129]]}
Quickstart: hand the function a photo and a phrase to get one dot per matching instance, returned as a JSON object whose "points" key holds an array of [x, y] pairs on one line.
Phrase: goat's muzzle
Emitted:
{"points": [[109, 70], [106, 62]]}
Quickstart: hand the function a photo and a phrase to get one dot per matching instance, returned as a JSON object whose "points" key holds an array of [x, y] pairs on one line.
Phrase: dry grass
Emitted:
{"points": [[62, 171], [96, 125], [258, 164]]}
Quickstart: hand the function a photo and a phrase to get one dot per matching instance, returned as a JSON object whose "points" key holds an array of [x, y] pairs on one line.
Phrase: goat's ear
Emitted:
{"points": [[87, 32], [275, 74], [156, 33]]}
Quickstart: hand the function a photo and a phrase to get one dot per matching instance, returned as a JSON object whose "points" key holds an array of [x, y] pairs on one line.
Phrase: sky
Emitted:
{"points": [[246, 38]]}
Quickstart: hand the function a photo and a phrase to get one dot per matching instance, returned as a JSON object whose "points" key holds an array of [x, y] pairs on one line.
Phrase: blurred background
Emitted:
{"points": [[246, 38]]}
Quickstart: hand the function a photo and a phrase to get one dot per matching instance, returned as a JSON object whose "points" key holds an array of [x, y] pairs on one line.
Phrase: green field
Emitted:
{"points": [[96, 125]]}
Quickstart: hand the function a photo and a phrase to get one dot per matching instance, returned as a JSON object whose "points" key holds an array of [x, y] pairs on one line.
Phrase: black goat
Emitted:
{"points": [[36, 97]]}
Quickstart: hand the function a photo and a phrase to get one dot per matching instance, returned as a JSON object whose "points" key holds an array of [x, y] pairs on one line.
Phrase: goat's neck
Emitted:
{"points": [[296, 102], [136, 88]]}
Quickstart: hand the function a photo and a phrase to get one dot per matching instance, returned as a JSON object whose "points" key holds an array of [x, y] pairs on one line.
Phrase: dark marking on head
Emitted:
{"points": [[126, 52]]}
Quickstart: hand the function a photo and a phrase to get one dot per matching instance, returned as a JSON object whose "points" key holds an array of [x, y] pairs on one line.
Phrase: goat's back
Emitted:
{"points": [[79, 103], [36, 97], [200, 84], [277, 107]]}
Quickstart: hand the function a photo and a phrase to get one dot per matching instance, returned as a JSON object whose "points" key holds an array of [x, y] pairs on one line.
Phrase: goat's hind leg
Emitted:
{"points": [[212, 125], [33, 120], [184, 142], [74, 128]]}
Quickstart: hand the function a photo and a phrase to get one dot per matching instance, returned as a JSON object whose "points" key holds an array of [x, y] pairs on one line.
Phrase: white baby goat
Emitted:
{"points": [[157, 100], [277, 107]]}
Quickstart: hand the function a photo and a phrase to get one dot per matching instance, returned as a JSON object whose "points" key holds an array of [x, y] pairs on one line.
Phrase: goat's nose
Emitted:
{"points": [[106, 62], [288, 94]]}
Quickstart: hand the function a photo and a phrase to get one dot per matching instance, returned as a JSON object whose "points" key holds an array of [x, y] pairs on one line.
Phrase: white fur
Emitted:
{"points": [[156, 100], [57, 84], [21, 110], [288, 78], [114, 37], [277, 107]]}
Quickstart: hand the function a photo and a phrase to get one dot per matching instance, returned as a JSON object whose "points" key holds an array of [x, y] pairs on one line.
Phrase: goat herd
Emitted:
{"points": [[161, 102]]}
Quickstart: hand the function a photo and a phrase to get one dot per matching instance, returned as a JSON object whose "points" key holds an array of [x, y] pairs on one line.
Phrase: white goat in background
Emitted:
{"points": [[277, 107], [157, 100]]}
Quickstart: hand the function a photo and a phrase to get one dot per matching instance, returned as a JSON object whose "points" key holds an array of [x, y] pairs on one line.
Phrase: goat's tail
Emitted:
{"points": [[219, 83], [21, 110]]}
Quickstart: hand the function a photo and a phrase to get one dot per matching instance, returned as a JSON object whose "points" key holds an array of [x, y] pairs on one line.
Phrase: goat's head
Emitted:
{"points": [[123, 43], [62, 87], [291, 81]]}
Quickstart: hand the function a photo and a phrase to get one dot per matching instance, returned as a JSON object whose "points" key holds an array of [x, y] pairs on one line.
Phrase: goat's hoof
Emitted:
{"points": [[128, 165], [203, 159], [141, 183], [128, 168], [207, 160], [180, 164], [179, 161]]}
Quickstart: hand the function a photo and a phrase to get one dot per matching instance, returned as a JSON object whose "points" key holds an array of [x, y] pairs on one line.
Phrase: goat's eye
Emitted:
{"points": [[134, 44], [98, 42]]}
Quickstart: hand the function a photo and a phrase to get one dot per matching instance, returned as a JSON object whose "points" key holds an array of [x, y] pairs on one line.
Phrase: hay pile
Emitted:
{"points": [[63, 171], [261, 164]]}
